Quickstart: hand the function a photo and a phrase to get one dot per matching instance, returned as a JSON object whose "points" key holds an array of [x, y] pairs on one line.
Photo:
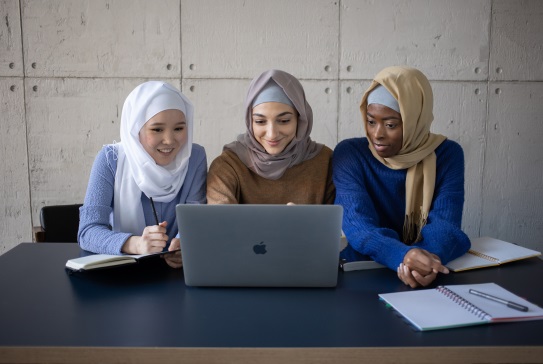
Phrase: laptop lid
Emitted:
{"points": [[260, 245]]}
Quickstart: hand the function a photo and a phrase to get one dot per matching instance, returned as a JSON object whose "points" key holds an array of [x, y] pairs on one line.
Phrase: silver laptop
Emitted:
{"points": [[260, 245]]}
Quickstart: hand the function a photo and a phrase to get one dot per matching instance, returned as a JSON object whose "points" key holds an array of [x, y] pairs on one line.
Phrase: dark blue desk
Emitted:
{"points": [[144, 312]]}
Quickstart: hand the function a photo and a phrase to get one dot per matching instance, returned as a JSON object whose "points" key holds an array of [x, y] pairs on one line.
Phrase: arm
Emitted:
{"points": [[364, 231], [94, 232], [222, 182], [442, 235]]}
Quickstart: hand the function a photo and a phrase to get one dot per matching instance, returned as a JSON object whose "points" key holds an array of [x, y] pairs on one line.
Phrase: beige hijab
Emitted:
{"points": [[300, 149], [414, 94]]}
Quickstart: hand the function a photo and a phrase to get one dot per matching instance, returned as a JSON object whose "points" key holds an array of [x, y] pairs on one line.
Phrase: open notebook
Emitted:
{"points": [[487, 252], [453, 306]]}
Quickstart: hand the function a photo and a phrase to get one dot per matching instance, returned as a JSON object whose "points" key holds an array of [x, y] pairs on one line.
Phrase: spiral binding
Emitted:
{"points": [[464, 303], [484, 256]]}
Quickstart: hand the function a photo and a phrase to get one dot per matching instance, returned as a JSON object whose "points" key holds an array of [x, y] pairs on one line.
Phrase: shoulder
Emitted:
{"points": [[351, 145], [198, 153], [107, 156], [228, 160], [449, 150]]}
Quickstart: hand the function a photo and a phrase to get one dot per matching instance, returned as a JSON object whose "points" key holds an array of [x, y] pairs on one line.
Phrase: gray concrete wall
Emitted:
{"points": [[66, 67]]}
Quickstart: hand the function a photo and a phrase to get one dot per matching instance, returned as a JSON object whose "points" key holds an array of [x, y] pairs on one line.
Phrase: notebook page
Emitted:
{"points": [[430, 309], [501, 250], [497, 310]]}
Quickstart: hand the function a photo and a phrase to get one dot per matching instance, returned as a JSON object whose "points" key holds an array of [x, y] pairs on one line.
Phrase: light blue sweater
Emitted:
{"points": [[95, 234], [373, 198]]}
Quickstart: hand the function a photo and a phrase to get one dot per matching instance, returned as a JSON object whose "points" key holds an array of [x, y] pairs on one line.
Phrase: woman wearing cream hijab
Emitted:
{"points": [[274, 161], [156, 160], [402, 187]]}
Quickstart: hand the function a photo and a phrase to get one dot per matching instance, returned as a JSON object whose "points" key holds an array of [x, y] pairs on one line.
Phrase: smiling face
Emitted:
{"points": [[274, 125], [384, 130], [164, 135]]}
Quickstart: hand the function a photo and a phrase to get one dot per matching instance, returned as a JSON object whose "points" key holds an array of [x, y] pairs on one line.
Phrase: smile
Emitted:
{"points": [[169, 150]]}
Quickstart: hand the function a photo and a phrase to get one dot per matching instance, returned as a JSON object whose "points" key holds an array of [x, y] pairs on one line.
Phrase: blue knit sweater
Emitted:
{"points": [[373, 198], [96, 213]]}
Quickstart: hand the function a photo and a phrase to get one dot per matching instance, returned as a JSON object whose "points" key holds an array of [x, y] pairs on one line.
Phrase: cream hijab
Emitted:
{"points": [[137, 171], [300, 149], [414, 94]]}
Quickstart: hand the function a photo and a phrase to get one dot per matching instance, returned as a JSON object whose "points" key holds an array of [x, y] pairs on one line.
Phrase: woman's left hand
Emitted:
{"points": [[174, 259], [413, 278]]}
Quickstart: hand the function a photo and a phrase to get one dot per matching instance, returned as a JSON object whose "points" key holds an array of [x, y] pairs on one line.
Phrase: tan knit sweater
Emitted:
{"points": [[229, 181]]}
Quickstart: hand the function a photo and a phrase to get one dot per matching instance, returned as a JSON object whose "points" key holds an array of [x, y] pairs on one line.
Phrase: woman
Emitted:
{"points": [[275, 161], [402, 187], [155, 162]]}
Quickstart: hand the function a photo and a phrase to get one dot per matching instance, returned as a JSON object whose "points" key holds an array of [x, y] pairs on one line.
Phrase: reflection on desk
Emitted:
{"points": [[144, 312]]}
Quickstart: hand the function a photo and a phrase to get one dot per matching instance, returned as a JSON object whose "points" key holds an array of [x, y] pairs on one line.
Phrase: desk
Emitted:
{"points": [[144, 313]]}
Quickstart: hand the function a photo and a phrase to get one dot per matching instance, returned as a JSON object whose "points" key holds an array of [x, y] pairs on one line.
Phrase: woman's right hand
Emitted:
{"points": [[153, 240]]}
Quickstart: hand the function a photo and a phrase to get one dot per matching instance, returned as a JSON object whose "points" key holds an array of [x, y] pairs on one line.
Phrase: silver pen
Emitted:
{"points": [[510, 304]]}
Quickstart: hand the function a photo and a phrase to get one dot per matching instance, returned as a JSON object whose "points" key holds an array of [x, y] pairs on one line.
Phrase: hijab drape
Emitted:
{"points": [[414, 94], [300, 149], [137, 171]]}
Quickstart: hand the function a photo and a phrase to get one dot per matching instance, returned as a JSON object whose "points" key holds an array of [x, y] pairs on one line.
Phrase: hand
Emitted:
{"points": [[153, 240], [174, 259], [423, 262], [413, 278]]}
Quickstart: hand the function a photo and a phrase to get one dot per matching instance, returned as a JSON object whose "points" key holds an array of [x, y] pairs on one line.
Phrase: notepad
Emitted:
{"points": [[487, 252], [96, 261], [453, 306]]}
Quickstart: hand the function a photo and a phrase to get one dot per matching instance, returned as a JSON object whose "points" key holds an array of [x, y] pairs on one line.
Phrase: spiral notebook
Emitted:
{"points": [[453, 306], [489, 252]]}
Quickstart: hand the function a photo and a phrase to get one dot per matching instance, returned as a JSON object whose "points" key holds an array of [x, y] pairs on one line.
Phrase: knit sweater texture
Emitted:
{"points": [[96, 214], [229, 181], [373, 198]]}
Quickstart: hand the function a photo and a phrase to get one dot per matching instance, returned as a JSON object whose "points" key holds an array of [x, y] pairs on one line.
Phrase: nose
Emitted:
{"points": [[167, 138], [378, 131], [271, 131]]}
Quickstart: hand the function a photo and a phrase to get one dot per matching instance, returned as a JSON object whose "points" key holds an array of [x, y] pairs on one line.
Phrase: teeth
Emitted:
{"points": [[165, 150]]}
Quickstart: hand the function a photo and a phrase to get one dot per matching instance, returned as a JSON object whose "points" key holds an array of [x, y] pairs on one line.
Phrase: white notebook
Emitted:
{"points": [[487, 252], [453, 306]]}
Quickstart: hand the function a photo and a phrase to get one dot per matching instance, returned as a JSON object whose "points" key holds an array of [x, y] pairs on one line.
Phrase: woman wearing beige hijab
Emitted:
{"points": [[402, 187], [274, 161]]}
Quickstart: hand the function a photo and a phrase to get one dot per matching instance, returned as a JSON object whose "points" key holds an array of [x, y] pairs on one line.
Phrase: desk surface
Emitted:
{"points": [[145, 311]]}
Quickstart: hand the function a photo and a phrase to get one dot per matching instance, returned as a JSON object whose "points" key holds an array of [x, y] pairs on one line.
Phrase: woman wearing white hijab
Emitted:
{"points": [[402, 187], [155, 162], [274, 161]]}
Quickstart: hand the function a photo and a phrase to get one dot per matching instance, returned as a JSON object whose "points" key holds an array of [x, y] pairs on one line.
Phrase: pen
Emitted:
{"points": [[510, 304], [154, 210]]}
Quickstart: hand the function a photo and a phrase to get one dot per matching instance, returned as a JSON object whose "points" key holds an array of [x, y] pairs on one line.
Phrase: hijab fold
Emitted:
{"points": [[137, 171], [300, 149], [414, 94]]}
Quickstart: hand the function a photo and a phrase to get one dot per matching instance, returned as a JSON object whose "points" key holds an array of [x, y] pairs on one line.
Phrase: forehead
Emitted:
{"points": [[381, 111], [168, 116], [272, 108]]}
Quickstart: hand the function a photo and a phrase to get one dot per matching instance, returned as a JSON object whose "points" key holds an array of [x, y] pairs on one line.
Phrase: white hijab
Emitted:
{"points": [[137, 171]]}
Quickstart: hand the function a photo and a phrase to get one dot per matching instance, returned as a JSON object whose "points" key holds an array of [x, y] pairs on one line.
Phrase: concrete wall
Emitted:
{"points": [[66, 67]]}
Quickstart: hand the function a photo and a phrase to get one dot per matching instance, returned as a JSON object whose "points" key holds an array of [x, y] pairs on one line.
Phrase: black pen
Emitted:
{"points": [[154, 210], [510, 304]]}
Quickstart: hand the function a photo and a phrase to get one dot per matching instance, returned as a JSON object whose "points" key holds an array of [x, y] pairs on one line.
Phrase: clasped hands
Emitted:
{"points": [[420, 268], [154, 240]]}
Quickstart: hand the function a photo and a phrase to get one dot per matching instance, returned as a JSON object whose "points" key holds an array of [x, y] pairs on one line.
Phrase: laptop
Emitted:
{"points": [[260, 245]]}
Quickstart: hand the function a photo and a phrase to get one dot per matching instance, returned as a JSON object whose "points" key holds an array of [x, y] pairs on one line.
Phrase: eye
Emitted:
{"points": [[259, 121], [371, 122], [284, 121], [180, 128], [391, 126], [157, 130]]}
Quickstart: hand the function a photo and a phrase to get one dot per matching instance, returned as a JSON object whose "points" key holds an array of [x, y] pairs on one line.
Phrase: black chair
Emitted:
{"points": [[59, 224]]}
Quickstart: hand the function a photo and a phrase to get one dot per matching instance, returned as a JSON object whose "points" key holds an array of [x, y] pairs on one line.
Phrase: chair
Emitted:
{"points": [[59, 224]]}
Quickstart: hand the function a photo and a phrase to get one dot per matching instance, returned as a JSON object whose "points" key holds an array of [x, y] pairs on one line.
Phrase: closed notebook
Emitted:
{"points": [[95, 261], [488, 252], [453, 306]]}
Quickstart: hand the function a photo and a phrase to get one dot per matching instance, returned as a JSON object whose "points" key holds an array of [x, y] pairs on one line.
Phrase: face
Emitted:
{"points": [[164, 135], [385, 130], [274, 126]]}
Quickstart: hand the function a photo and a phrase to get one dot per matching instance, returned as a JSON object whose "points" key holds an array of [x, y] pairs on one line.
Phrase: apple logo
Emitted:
{"points": [[260, 248]]}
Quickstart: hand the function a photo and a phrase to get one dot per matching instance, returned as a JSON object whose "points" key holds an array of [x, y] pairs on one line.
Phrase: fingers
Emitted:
{"points": [[175, 244], [424, 262], [154, 238], [413, 278], [174, 260]]}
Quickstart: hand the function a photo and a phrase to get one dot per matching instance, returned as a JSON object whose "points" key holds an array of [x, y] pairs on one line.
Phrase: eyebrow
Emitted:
{"points": [[277, 116], [160, 123], [386, 118]]}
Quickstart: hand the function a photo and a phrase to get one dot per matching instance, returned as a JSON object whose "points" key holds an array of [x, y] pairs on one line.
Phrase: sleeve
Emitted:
{"points": [[222, 182], [442, 234], [95, 234], [360, 218], [197, 191], [330, 193]]}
